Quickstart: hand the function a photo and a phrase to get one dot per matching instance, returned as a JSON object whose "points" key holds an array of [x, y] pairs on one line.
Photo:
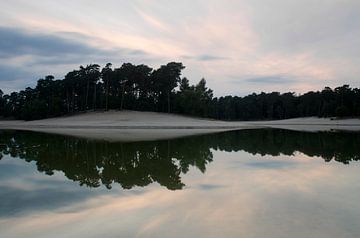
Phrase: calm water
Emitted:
{"points": [[250, 183]]}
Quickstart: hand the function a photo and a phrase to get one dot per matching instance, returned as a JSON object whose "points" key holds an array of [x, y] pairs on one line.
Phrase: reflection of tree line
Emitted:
{"points": [[339, 146], [93, 163]]}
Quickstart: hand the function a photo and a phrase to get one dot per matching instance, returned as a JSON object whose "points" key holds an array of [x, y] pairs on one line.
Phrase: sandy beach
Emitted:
{"points": [[133, 125]]}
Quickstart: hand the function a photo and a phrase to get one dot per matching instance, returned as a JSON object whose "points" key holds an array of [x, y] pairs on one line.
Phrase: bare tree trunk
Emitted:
{"points": [[94, 97], [168, 101], [106, 94], [122, 97], [73, 100], [87, 94], [67, 101]]}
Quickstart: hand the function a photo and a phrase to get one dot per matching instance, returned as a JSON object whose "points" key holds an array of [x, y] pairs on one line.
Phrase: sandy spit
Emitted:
{"points": [[312, 124], [135, 126]]}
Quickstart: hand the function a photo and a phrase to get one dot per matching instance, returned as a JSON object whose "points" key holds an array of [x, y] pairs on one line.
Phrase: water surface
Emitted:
{"points": [[248, 183]]}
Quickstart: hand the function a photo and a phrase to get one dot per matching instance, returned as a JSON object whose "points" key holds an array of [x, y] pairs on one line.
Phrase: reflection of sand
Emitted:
{"points": [[131, 125]]}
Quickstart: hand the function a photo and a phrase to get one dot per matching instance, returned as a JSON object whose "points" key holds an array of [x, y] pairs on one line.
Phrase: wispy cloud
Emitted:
{"points": [[270, 80], [312, 45], [206, 57], [153, 21]]}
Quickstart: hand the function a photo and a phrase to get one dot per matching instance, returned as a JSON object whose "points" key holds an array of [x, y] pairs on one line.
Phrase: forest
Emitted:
{"points": [[142, 88]]}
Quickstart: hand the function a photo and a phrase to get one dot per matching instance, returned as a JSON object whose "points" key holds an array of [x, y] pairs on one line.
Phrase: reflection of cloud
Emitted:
{"points": [[210, 186], [18, 202], [9, 171], [271, 164], [301, 200]]}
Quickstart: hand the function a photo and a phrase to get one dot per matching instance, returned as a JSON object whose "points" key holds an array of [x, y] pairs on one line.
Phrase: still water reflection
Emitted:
{"points": [[248, 183]]}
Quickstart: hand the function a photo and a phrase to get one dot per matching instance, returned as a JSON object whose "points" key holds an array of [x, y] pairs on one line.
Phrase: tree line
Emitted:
{"points": [[140, 87]]}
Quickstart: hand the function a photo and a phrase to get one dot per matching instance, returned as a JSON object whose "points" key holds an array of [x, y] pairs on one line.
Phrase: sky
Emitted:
{"points": [[239, 47]]}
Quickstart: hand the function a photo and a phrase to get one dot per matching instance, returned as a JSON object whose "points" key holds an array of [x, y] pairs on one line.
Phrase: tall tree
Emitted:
{"points": [[166, 79], [107, 74], [126, 81], [2, 103], [143, 86]]}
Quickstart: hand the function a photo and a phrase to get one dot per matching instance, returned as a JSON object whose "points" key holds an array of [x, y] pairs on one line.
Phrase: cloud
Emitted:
{"points": [[17, 42], [270, 80], [206, 57], [25, 56], [210, 58], [55, 49], [153, 21], [12, 73], [309, 45], [302, 25]]}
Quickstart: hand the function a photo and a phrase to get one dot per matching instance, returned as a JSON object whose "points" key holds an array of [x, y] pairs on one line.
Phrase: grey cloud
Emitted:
{"points": [[136, 52], [269, 80], [54, 53], [73, 35], [17, 42], [205, 57], [8, 73], [59, 48], [210, 58]]}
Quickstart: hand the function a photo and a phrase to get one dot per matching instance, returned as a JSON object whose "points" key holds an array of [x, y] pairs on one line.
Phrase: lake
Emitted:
{"points": [[247, 183]]}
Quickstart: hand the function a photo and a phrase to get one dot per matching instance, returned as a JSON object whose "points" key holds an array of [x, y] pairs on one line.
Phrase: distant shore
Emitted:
{"points": [[134, 125]]}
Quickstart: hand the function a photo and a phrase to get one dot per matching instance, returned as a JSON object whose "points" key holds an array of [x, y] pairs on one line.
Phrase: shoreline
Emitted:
{"points": [[135, 126]]}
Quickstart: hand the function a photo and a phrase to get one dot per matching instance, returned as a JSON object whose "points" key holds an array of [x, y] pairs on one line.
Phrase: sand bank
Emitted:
{"points": [[125, 125], [311, 124], [132, 125]]}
